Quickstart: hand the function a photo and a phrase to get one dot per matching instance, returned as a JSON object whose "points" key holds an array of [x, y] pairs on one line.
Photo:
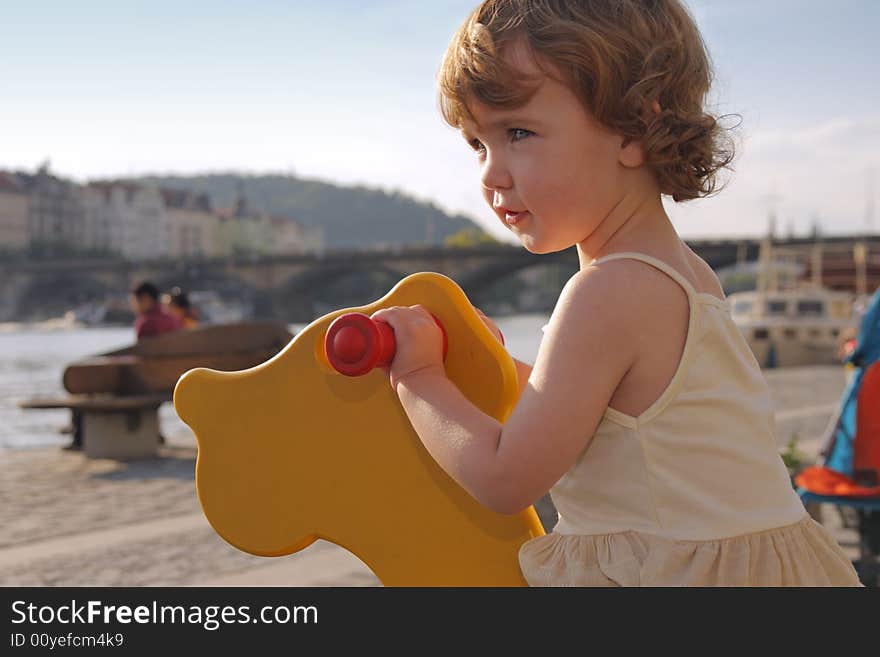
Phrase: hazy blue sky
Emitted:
{"points": [[344, 91]]}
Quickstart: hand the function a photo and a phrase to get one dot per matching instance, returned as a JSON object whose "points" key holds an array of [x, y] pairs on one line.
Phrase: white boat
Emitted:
{"points": [[113, 310], [215, 310], [792, 328], [789, 322]]}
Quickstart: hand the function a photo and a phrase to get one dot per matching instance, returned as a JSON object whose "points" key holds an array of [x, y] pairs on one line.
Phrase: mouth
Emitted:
{"points": [[513, 218]]}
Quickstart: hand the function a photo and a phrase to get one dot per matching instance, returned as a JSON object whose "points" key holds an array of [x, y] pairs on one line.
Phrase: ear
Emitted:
{"points": [[631, 155]]}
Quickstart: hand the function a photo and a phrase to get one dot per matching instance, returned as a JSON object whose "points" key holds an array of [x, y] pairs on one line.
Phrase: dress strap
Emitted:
{"points": [[654, 262]]}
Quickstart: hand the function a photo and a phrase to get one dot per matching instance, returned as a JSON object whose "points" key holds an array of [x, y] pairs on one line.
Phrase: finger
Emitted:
{"points": [[419, 308], [384, 314], [399, 318]]}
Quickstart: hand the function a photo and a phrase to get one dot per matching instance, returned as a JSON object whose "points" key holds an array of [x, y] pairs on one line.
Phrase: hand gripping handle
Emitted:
{"points": [[355, 344]]}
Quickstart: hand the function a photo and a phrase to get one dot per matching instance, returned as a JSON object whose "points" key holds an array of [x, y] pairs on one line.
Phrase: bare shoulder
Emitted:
{"points": [[628, 290], [595, 324], [706, 276], [605, 296]]}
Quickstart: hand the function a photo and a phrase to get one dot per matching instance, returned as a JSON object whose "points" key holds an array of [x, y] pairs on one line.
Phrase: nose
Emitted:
{"points": [[495, 174]]}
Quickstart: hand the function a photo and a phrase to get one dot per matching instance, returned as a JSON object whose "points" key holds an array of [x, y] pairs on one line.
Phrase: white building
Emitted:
{"points": [[192, 224], [242, 231], [129, 219], [292, 237], [100, 231]]}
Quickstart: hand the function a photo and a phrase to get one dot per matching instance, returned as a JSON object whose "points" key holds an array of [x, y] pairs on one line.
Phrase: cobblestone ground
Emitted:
{"points": [[802, 388], [50, 498], [52, 492]]}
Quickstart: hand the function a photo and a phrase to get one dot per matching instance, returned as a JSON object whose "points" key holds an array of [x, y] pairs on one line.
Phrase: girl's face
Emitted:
{"points": [[549, 170]]}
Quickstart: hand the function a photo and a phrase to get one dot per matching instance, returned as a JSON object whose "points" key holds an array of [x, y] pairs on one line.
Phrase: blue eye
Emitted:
{"points": [[518, 134]]}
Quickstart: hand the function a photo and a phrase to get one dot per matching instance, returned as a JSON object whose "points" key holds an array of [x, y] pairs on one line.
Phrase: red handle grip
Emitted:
{"points": [[355, 344]]}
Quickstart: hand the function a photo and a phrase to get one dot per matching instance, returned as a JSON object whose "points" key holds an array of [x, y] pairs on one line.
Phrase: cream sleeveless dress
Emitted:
{"points": [[693, 491]]}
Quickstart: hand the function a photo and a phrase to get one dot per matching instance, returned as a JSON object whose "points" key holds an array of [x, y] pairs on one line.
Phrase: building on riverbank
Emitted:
{"points": [[128, 218], [14, 207], [192, 224], [56, 215]]}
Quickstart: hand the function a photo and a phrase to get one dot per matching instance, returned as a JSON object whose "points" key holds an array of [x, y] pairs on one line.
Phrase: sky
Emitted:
{"points": [[345, 91]]}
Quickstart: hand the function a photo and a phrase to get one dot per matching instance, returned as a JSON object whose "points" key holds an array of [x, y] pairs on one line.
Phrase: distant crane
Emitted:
{"points": [[869, 199]]}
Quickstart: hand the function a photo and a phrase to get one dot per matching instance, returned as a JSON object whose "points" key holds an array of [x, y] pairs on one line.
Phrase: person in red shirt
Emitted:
{"points": [[151, 319]]}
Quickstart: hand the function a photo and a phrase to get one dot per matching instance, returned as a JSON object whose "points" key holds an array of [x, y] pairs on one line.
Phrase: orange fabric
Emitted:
{"points": [[866, 448], [824, 481]]}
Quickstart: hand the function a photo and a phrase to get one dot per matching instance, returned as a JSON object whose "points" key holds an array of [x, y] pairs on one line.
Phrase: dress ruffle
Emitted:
{"points": [[802, 554]]}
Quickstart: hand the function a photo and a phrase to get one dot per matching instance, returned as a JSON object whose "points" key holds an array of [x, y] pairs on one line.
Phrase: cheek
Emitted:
{"points": [[555, 185], [593, 169]]}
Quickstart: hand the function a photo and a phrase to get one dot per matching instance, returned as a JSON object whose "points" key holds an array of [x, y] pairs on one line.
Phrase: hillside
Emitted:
{"points": [[351, 216]]}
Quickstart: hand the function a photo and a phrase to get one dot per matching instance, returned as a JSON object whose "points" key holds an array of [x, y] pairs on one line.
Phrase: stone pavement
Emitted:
{"points": [[69, 521]]}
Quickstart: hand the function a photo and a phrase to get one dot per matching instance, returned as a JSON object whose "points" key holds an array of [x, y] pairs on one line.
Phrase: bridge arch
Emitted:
{"points": [[320, 290], [499, 284], [53, 293]]}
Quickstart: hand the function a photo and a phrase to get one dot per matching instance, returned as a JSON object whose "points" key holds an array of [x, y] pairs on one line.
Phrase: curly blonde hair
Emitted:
{"points": [[640, 67]]}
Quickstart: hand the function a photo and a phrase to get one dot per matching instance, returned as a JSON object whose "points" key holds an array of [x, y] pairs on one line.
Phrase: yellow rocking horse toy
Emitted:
{"points": [[315, 444]]}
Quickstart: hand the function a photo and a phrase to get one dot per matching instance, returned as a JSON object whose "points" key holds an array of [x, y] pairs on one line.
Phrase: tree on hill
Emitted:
{"points": [[468, 238]]}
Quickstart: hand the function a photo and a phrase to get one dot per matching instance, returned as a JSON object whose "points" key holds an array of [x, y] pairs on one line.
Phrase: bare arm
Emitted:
{"points": [[588, 349], [469, 445], [458, 435], [523, 370]]}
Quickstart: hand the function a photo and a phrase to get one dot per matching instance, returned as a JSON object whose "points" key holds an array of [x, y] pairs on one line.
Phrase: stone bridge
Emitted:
{"points": [[299, 287]]}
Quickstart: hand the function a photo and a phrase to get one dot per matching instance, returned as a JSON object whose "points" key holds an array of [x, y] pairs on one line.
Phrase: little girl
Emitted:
{"points": [[645, 415]]}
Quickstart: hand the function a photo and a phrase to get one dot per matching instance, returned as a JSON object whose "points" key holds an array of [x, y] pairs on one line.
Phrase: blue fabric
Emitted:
{"points": [[866, 353], [867, 348], [841, 456]]}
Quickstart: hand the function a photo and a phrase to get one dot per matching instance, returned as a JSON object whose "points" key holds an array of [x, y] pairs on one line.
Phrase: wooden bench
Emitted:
{"points": [[115, 397], [118, 427]]}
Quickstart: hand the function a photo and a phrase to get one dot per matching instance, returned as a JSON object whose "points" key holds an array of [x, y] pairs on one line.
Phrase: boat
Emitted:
{"points": [[793, 328], [790, 322], [213, 309]]}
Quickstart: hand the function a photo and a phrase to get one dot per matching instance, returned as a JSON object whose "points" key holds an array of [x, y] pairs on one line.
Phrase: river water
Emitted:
{"points": [[32, 359]]}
